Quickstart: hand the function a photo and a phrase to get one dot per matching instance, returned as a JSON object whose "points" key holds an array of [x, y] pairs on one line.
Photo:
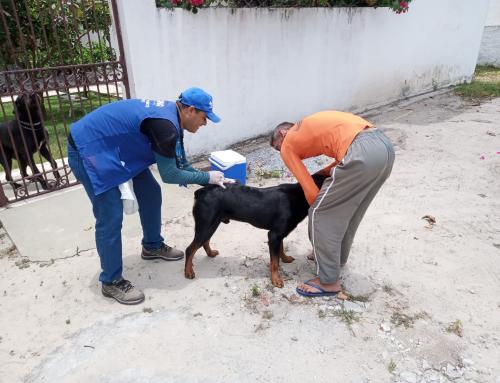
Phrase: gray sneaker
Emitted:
{"points": [[165, 252], [124, 292]]}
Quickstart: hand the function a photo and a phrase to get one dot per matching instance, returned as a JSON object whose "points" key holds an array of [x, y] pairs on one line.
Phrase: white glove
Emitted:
{"points": [[130, 205], [216, 178]]}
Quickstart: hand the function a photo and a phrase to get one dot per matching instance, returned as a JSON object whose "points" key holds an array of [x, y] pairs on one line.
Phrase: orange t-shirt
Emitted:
{"points": [[329, 133]]}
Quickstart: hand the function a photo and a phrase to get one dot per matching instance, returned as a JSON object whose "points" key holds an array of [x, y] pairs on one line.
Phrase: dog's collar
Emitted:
{"points": [[27, 125]]}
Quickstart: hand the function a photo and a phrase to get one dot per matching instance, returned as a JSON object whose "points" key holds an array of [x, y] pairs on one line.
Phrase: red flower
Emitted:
{"points": [[196, 3], [403, 4], [176, 2]]}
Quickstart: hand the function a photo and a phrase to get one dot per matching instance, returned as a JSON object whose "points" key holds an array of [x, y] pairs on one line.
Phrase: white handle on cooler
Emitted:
{"points": [[220, 166]]}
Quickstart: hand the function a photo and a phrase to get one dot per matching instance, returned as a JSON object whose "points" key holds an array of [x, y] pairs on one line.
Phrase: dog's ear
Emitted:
{"points": [[19, 101], [20, 104]]}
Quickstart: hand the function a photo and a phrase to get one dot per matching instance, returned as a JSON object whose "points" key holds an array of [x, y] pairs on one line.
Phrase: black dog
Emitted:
{"points": [[278, 209], [25, 135]]}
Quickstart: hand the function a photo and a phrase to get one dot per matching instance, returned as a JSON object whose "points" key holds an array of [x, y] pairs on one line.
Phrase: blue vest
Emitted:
{"points": [[111, 144]]}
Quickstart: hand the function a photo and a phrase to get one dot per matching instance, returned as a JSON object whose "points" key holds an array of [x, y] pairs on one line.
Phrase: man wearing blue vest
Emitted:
{"points": [[117, 143]]}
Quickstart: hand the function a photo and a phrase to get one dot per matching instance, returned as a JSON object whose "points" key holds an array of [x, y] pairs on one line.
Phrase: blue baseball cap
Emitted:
{"points": [[199, 99]]}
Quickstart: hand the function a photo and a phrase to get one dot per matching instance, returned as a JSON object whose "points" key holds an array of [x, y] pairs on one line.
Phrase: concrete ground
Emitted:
{"points": [[424, 297]]}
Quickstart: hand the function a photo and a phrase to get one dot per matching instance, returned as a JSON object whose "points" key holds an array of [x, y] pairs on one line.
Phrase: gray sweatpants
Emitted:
{"points": [[342, 201]]}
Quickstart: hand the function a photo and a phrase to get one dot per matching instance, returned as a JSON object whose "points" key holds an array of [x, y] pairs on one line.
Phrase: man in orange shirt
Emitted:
{"points": [[363, 158]]}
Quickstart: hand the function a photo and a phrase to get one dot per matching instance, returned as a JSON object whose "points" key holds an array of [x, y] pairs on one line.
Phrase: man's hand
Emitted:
{"points": [[216, 178]]}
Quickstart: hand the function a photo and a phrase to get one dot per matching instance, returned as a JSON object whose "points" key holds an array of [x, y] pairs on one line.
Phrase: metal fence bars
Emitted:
{"points": [[58, 61]]}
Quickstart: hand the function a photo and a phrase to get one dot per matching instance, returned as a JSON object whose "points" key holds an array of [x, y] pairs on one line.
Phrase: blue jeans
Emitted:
{"points": [[108, 212]]}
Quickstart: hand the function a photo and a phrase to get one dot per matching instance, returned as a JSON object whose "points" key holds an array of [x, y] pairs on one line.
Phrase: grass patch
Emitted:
{"points": [[487, 73], [360, 298], [486, 85], [267, 315], [268, 173], [321, 314], [60, 114], [401, 319], [388, 289], [456, 328], [391, 367], [347, 316], [255, 290]]}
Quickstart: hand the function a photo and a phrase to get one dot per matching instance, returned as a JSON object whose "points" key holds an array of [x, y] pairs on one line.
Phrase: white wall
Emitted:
{"points": [[493, 17], [489, 53], [264, 66]]}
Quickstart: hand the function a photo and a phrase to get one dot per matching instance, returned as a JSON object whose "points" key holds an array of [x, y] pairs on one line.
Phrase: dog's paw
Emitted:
{"points": [[42, 182], [189, 274], [212, 253], [287, 259], [52, 184], [277, 282]]}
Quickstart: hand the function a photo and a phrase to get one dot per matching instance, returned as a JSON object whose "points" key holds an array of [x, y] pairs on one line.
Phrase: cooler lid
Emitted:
{"points": [[228, 157]]}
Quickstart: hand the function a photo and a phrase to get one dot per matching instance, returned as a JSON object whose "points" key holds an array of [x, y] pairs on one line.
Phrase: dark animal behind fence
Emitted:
{"points": [[22, 137], [278, 209]]}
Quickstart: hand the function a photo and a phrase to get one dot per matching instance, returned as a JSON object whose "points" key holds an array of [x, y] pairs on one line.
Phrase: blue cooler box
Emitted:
{"points": [[231, 163]]}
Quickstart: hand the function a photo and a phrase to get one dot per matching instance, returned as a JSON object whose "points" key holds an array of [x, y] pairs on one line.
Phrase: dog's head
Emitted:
{"points": [[28, 105], [319, 179]]}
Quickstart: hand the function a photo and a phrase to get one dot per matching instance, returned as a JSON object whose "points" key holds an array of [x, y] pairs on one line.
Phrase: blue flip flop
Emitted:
{"points": [[321, 293]]}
